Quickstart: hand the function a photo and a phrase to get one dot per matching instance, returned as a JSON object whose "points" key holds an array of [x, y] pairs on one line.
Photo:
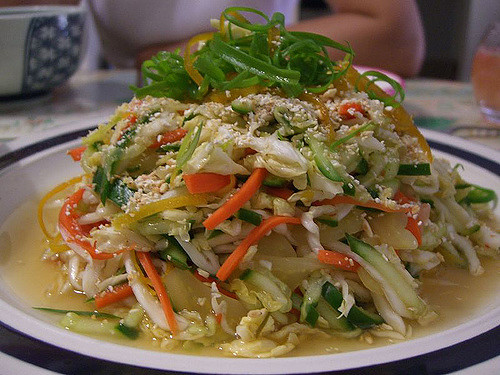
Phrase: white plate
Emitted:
{"points": [[34, 165]]}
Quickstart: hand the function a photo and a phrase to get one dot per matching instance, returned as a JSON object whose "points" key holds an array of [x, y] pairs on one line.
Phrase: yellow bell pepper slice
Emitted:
{"points": [[125, 219], [46, 197], [188, 62]]}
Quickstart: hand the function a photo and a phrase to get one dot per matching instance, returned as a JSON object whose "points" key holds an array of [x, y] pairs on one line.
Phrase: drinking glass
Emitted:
{"points": [[486, 74]]}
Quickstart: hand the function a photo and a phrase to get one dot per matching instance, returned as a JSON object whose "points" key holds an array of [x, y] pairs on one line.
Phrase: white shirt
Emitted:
{"points": [[127, 26]]}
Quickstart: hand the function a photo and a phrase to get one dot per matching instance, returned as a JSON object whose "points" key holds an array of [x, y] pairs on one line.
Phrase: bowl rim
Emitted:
{"points": [[28, 12]]}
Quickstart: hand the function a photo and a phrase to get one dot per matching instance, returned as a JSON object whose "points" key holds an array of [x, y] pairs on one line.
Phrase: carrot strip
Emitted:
{"points": [[283, 193], [413, 227], [338, 260], [411, 224], [403, 198], [218, 318], [169, 137], [253, 237], [206, 182], [68, 220], [347, 110], [345, 199], [48, 196], [117, 294], [247, 190], [76, 153], [159, 288]]}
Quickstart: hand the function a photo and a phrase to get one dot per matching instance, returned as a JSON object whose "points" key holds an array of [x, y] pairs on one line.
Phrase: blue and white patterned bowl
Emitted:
{"points": [[40, 47]]}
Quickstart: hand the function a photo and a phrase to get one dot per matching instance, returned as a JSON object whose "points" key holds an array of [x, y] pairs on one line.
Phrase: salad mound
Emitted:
{"points": [[255, 193]]}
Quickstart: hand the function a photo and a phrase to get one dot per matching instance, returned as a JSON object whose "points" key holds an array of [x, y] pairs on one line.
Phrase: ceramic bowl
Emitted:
{"points": [[40, 47]]}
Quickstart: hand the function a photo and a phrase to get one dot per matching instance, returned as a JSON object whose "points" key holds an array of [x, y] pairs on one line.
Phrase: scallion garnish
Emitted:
{"points": [[375, 76], [367, 126], [326, 167], [188, 145], [480, 194], [266, 55]]}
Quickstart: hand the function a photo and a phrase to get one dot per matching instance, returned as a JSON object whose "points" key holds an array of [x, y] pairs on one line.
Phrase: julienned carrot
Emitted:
{"points": [[68, 220], [280, 192], [412, 224], [345, 199], [76, 153], [169, 137], [253, 237], [338, 260], [347, 110], [159, 288], [413, 227], [118, 293], [228, 209], [206, 182], [402, 198]]}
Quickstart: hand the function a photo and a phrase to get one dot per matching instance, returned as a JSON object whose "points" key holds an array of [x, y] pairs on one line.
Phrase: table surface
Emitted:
{"points": [[92, 97], [445, 106]]}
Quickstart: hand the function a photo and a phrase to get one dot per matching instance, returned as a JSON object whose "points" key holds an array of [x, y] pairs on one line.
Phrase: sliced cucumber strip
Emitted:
{"points": [[357, 315], [393, 277], [242, 106], [274, 181], [174, 253], [310, 299], [249, 216], [333, 317]]}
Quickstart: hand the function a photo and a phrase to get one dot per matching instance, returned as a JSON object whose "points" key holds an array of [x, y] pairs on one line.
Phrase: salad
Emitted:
{"points": [[255, 193]]}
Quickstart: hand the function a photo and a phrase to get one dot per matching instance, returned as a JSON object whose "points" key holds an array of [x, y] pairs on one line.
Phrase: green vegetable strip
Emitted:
{"points": [[174, 253], [249, 216], [297, 63], [188, 146], [170, 147], [480, 195], [352, 134], [79, 313], [129, 332], [391, 275], [325, 166], [102, 186], [258, 67], [274, 181], [245, 25], [327, 221], [420, 169], [357, 315], [378, 76], [322, 40]]}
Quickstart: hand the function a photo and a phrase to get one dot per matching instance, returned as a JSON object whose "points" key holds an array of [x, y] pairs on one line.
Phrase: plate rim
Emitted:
{"points": [[17, 319]]}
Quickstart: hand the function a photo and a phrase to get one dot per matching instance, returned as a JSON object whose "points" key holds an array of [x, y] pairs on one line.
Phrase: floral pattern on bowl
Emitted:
{"points": [[52, 51]]}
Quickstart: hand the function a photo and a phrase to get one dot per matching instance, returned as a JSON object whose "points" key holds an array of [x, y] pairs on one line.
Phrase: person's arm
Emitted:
{"points": [[383, 33]]}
